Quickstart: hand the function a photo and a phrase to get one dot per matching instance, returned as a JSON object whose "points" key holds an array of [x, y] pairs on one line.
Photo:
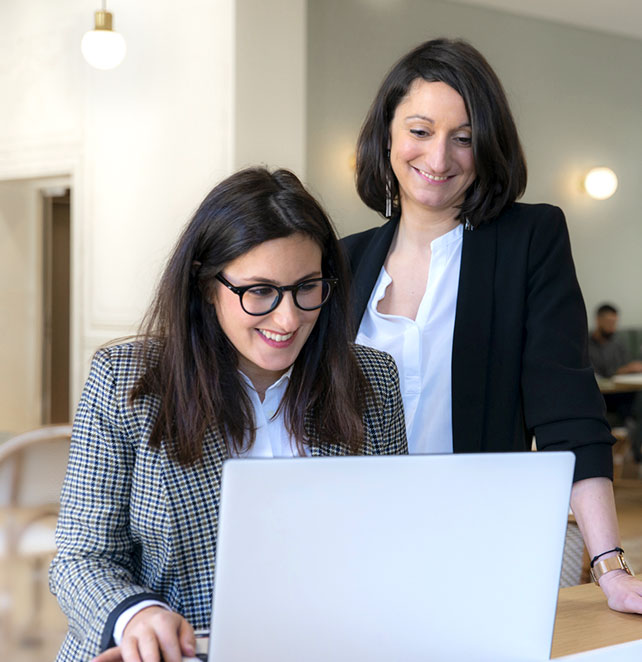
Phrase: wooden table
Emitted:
{"points": [[584, 622], [621, 383]]}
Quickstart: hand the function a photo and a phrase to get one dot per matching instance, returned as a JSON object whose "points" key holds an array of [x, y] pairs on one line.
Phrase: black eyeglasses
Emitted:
{"points": [[261, 298]]}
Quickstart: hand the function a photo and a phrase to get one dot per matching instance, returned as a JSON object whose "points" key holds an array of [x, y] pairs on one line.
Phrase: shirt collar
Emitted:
{"points": [[281, 382]]}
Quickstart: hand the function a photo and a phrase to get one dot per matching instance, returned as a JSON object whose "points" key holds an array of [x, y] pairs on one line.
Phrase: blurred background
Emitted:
{"points": [[100, 169]]}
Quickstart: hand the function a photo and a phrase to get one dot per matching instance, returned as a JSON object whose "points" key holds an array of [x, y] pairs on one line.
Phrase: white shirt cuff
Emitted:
{"points": [[128, 614]]}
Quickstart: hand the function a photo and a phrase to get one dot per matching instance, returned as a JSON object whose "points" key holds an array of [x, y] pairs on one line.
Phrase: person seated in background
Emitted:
{"points": [[245, 352], [610, 356], [608, 353]]}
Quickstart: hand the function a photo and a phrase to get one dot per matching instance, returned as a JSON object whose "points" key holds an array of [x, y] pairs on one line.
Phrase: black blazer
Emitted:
{"points": [[520, 359]]}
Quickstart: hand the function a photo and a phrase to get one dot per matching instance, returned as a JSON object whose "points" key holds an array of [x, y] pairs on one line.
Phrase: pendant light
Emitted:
{"points": [[102, 47]]}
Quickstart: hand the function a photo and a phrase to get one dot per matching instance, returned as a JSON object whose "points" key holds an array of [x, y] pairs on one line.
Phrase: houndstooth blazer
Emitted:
{"points": [[134, 523]]}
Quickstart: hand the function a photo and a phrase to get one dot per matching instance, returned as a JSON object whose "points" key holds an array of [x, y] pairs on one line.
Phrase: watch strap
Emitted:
{"points": [[606, 565]]}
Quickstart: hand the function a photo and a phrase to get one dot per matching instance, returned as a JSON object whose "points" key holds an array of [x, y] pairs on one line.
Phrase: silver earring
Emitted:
{"points": [[388, 190], [468, 226], [388, 198]]}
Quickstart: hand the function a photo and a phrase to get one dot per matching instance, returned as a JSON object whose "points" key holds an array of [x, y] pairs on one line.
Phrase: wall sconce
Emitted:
{"points": [[102, 47], [600, 183]]}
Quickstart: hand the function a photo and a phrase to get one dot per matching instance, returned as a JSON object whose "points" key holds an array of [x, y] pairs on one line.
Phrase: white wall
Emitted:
{"points": [[577, 98], [142, 143], [270, 80]]}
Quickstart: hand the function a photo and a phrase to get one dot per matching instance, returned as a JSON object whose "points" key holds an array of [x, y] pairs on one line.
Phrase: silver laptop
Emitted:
{"points": [[385, 559]]}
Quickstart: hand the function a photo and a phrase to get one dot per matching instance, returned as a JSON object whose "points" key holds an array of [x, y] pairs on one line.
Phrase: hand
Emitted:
{"points": [[633, 366], [153, 632], [624, 592]]}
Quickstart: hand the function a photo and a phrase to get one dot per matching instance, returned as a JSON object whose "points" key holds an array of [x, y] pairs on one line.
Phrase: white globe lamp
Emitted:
{"points": [[600, 183], [102, 47]]}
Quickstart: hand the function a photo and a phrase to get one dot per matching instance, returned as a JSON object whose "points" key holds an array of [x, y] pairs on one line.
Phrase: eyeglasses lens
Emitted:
{"points": [[260, 300], [312, 294]]}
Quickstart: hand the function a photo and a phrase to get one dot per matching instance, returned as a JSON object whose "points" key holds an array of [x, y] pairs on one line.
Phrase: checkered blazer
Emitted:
{"points": [[135, 523]]}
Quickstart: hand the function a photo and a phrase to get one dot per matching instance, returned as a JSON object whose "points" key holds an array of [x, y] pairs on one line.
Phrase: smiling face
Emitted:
{"points": [[268, 345], [431, 150]]}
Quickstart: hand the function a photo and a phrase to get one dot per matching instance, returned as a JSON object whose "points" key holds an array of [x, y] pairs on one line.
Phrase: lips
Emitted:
{"points": [[277, 340], [277, 337], [437, 179]]}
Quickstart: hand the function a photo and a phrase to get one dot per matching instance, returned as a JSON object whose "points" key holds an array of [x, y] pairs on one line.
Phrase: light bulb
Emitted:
{"points": [[102, 47], [600, 183]]}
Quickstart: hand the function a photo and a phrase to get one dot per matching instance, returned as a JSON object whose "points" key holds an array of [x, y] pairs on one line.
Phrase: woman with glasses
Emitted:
{"points": [[475, 294], [245, 352]]}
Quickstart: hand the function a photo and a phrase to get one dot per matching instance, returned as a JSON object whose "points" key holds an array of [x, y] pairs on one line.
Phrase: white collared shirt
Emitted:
{"points": [[422, 348], [272, 438]]}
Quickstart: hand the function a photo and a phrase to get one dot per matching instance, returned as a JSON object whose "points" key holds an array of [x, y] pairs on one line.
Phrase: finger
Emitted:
{"points": [[169, 643], [187, 638], [149, 647], [633, 603], [129, 649], [110, 655]]}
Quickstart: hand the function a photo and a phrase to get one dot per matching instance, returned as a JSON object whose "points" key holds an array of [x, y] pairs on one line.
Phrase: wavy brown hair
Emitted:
{"points": [[499, 159], [191, 366]]}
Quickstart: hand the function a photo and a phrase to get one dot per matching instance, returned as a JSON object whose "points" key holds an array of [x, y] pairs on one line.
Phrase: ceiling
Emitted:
{"points": [[623, 17]]}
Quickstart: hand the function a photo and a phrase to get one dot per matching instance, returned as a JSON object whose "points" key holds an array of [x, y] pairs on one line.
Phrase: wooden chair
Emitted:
{"points": [[32, 469]]}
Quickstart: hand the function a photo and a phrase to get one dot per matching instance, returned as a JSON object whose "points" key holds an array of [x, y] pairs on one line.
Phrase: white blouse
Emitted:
{"points": [[272, 438], [422, 348]]}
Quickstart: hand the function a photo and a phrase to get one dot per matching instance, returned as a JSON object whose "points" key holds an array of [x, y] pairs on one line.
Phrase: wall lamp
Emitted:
{"points": [[102, 47], [600, 183]]}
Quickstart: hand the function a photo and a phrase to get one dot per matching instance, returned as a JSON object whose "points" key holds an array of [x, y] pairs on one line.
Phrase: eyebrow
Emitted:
{"points": [[465, 125], [269, 281]]}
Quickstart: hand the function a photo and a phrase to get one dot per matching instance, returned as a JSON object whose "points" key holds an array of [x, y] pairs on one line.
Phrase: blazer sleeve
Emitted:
{"points": [[384, 418], [93, 571], [562, 403]]}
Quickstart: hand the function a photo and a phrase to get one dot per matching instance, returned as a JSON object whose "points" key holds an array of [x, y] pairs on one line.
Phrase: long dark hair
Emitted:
{"points": [[499, 159], [189, 363]]}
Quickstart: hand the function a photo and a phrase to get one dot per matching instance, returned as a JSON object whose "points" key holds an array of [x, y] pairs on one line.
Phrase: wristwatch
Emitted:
{"points": [[612, 563]]}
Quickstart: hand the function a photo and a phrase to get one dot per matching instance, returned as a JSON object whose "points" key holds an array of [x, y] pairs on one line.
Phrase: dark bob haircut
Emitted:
{"points": [[499, 159], [190, 365]]}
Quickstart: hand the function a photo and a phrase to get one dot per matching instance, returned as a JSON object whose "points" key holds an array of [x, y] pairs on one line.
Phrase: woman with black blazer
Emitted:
{"points": [[474, 294], [244, 352]]}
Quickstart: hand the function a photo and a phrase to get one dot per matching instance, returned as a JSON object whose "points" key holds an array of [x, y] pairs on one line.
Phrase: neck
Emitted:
{"points": [[598, 337], [261, 379], [420, 230]]}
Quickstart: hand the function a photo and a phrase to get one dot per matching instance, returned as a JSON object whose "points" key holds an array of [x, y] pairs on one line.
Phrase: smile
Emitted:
{"points": [[432, 178], [276, 337]]}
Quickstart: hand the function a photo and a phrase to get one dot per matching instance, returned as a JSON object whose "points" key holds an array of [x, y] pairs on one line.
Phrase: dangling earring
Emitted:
{"points": [[388, 189]]}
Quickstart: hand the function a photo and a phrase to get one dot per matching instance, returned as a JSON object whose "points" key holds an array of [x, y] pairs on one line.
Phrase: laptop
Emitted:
{"points": [[379, 559]]}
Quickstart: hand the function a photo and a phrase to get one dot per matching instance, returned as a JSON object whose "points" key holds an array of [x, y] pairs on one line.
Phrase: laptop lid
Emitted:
{"points": [[442, 557]]}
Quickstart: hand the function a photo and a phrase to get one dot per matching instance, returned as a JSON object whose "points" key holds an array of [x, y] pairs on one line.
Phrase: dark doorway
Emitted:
{"points": [[56, 300]]}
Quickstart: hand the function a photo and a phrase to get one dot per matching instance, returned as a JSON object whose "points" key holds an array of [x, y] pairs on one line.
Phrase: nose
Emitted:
{"points": [[439, 154], [286, 314]]}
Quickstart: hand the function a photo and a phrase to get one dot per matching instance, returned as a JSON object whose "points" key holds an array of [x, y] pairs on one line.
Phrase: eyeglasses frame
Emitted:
{"points": [[281, 289]]}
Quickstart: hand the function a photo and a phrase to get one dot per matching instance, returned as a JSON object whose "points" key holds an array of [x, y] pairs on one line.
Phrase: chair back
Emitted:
{"points": [[33, 466]]}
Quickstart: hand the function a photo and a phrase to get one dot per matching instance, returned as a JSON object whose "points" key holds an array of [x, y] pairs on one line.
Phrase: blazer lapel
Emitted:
{"points": [[370, 263], [472, 335]]}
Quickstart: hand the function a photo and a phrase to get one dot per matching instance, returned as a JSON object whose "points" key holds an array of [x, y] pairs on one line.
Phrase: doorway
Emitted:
{"points": [[56, 284], [35, 223]]}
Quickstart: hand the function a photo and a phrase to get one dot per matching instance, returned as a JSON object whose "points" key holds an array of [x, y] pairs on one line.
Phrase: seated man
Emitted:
{"points": [[610, 356]]}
